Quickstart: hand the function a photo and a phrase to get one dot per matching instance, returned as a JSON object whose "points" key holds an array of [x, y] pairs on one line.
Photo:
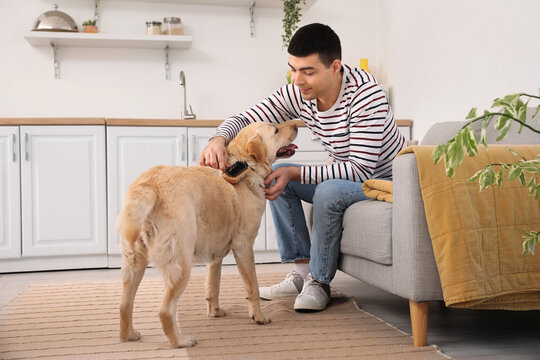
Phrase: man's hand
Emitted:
{"points": [[282, 175], [215, 154]]}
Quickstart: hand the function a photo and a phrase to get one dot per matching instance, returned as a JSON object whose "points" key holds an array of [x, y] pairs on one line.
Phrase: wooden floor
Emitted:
{"points": [[460, 334]]}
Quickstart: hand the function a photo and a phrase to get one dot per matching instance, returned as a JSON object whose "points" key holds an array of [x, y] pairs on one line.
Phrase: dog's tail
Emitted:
{"points": [[137, 206]]}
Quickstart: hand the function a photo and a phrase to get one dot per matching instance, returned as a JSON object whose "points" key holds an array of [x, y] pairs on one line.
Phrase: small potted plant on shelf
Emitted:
{"points": [[89, 26]]}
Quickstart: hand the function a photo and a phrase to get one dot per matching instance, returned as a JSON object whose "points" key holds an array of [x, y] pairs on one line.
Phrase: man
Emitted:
{"points": [[348, 111]]}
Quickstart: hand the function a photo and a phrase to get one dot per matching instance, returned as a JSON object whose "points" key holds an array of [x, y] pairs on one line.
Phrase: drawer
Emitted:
{"points": [[306, 141], [307, 158]]}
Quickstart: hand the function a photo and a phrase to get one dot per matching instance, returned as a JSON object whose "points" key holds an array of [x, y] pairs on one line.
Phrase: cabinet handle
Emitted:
{"points": [[193, 147], [13, 149], [182, 147], [25, 146]]}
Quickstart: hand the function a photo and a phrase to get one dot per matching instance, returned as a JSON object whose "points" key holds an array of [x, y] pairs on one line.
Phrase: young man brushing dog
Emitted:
{"points": [[348, 111]]}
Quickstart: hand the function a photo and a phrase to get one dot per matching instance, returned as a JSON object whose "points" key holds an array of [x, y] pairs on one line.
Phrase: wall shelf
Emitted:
{"points": [[241, 3], [66, 39], [43, 38]]}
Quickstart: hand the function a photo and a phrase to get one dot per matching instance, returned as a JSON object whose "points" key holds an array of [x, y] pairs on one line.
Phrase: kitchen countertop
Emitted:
{"points": [[129, 122]]}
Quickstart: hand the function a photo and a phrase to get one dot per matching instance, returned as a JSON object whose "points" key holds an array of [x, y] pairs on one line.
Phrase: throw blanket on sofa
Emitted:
{"points": [[476, 235], [378, 189]]}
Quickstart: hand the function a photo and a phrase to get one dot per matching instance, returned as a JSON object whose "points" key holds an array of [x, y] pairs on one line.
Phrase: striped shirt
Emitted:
{"points": [[358, 132]]}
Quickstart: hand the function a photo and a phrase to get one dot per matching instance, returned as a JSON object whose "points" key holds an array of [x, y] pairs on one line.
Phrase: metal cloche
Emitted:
{"points": [[55, 20]]}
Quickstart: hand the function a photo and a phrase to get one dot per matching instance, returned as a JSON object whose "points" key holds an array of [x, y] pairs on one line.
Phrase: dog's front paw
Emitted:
{"points": [[261, 320], [217, 313]]}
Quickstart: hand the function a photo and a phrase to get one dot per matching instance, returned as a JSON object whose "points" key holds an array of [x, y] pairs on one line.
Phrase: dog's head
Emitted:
{"points": [[260, 144]]}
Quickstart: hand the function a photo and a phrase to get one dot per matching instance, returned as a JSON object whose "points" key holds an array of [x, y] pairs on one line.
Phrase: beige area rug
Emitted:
{"points": [[80, 321]]}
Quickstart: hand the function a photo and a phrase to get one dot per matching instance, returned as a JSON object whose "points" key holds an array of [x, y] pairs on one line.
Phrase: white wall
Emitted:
{"points": [[440, 57], [226, 70], [444, 57]]}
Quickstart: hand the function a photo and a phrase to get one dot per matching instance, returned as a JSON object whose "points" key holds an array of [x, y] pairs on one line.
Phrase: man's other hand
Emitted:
{"points": [[282, 175], [215, 154]]}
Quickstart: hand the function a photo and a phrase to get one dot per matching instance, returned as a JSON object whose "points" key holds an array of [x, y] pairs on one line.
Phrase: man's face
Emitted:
{"points": [[311, 76]]}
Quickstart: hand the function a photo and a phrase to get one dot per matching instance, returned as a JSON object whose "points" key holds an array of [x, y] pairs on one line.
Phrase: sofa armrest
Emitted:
{"points": [[415, 274]]}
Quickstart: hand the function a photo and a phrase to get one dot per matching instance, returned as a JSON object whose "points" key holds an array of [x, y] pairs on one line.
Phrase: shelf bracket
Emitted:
{"points": [[55, 58], [252, 19], [167, 68], [96, 12]]}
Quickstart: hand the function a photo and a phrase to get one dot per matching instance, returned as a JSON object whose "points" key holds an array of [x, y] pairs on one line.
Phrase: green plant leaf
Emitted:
{"points": [[475, 176], [471, 141], [532, 185], [439, 151], [515, 153], [504, 131], [450, 172], [483, 137], [531, 239], [455, 154], [500, 121], [514, 173], [522, 178], [499, 178], [471, 114], [536, 112]]}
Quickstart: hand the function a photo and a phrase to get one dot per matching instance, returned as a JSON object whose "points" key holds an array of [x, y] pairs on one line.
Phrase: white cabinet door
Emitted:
{"points": [[63, 190], [10, 201], [130, 152], [198, 139]]}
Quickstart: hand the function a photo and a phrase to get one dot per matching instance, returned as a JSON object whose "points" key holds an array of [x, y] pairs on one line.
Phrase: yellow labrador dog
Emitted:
{"points": [[176, 216]]}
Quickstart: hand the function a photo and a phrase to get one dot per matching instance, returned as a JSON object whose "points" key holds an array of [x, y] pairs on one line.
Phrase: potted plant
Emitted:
{"points": [[89, 26], [291, 18]]}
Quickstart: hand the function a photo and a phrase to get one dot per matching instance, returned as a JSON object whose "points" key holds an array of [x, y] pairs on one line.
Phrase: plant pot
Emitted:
{"points": [[90, 29]]}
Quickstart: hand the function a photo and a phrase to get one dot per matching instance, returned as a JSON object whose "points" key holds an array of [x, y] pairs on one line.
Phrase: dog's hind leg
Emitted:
{"points": [[245, 261], [176, 281], [213, 278], [134, 263]]}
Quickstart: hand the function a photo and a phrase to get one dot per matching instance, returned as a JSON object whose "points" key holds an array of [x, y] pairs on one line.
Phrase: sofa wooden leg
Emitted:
{"points": [[419, 322]]}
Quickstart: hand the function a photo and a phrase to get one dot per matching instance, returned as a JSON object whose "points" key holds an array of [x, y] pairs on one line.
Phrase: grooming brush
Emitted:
{"points": [[236, 172]]}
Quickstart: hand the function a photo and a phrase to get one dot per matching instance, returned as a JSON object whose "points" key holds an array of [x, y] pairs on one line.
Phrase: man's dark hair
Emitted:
{"points": [[316, 39]]}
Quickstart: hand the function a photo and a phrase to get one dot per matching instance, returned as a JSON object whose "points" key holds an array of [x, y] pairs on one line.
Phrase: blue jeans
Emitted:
{"points": [[330, 199]]}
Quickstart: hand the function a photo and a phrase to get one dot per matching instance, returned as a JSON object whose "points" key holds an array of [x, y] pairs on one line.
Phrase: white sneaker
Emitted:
{"points": [[315, 296], [291, 286]]}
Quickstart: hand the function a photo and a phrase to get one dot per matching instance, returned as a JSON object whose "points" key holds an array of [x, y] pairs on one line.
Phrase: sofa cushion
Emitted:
{"points": [[367, 231], [527, 136]]}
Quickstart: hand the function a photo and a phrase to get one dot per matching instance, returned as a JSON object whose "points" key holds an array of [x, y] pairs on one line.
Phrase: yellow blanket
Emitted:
{"points": [[476, 235], [378, 189]]}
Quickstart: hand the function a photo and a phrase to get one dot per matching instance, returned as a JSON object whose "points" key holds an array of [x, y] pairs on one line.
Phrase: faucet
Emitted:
{"points": [[186, 114]]}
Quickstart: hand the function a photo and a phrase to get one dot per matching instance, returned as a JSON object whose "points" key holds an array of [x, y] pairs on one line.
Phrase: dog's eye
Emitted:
{"points": [[276, 131]]}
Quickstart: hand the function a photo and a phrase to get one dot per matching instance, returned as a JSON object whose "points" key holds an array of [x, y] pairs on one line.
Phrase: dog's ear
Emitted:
{"points": [[256, 149]]}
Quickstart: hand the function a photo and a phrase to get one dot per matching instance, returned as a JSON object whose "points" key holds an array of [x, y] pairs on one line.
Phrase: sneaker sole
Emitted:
{"points": [[308, 308], [268, 298]]}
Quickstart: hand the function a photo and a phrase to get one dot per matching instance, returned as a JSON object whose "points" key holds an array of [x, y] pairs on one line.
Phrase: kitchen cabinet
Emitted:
{"points": [[61, 187], [198, 138], [10, 201], [63, 190], [131, 150]]}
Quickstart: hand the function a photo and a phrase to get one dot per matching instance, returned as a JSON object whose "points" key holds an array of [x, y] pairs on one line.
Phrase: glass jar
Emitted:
{"points": [[153, 28], [172, 26]]}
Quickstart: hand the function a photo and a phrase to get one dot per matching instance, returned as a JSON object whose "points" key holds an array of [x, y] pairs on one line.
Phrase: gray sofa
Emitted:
{"points": [[388, 245]]}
